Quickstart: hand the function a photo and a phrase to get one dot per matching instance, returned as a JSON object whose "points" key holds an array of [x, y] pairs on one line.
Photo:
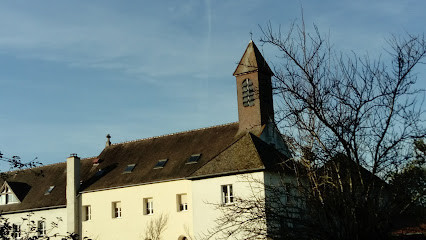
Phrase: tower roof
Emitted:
{"points": [[252, 61]]}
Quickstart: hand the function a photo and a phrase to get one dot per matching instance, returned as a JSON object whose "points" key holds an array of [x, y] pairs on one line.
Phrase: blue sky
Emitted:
{"points": [[73, 71]]}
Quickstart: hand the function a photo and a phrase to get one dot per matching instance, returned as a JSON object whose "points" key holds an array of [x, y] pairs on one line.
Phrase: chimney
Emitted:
{"points": [[73, 185], [108, 142]]}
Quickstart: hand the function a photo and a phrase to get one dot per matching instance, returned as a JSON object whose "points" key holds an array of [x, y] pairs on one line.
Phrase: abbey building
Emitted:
{"points": [[178, 179]]}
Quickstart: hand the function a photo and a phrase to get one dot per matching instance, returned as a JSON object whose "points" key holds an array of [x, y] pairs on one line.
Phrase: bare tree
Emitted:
{"points": [[268, 212], [348, 121], [29, 229], [156, 227], [15, 164], [410, 184]]}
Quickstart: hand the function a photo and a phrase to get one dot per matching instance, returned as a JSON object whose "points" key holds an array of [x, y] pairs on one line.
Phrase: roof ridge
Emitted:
{"points": [[58, 163], [172, 134], [251, 136], [47, 165]]}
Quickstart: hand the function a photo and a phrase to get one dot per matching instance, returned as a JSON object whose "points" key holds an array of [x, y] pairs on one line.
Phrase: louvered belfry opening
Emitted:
{"points": [[248, 93], [254, 90]]}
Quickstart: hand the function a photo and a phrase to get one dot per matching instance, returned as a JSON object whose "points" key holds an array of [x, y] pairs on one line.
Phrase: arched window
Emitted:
{"points": [[248, 93], [182, 238]]}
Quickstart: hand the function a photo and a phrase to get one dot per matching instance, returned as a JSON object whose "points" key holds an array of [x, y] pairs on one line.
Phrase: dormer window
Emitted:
{"points": [[7, 196], [248, 93]]}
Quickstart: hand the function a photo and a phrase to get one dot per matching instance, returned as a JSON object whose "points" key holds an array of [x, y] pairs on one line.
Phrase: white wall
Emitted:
{"points": [[207, 195], [132, 224], [203, 195], [51, 217]]}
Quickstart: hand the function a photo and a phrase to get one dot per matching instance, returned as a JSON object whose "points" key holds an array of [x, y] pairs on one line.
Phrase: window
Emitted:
{"points": [[160, 164], [227, 195], [129, 168], [290, 194], [16, 231], [116, 209], [7, 196], [48, 191], [87, 213], [193, 159], [182, 202], [100, 173], [149, 206], [248, 93], [41, 228]]}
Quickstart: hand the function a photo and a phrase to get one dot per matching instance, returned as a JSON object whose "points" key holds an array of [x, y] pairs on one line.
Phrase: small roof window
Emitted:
{"points": [[160, 164], [99, 173], [96, 161], [48, 191], [193, 158], [129, 168]]}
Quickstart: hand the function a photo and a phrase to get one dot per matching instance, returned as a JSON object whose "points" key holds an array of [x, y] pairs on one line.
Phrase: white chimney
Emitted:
{"points": [[73, 185]]}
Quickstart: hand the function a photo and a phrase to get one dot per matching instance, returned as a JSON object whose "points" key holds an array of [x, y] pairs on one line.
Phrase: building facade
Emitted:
{"points": [[174, 183]]}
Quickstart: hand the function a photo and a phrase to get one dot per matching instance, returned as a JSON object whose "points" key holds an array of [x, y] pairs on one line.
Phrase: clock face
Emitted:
{"points": [[248, 93]]}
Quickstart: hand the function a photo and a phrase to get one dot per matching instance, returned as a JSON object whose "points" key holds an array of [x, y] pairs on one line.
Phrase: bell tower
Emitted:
{"points": [[254, 89]]}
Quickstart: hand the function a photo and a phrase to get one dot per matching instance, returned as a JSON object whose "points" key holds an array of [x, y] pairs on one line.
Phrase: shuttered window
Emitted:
{"points": [[116, 209], [183, 202], [248, 93]]}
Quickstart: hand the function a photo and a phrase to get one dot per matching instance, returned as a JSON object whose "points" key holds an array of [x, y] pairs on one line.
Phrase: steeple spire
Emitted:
{"points": [[251, 61], [254, 89]]}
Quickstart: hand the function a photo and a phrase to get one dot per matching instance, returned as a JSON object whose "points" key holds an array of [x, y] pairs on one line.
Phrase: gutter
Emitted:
{"points": [[226, 173], [133, 185], [183, 178], [35, 209]]}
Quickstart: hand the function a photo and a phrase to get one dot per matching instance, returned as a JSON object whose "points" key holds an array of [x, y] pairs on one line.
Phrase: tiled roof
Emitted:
{"points": [[249, 153], [222, 151], [145, 153], [252, 61], [30, 186]]}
